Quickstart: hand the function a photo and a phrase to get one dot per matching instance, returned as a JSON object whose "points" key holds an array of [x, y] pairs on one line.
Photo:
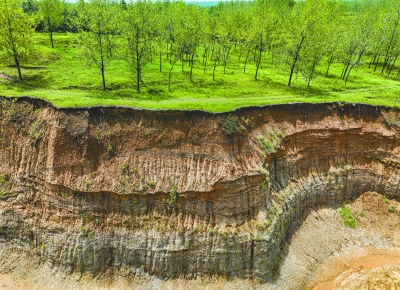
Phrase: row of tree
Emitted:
{"points": [[299, 36]]}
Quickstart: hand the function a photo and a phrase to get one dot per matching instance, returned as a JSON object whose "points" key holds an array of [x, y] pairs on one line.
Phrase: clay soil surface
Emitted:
{"points": [[367, 269]]}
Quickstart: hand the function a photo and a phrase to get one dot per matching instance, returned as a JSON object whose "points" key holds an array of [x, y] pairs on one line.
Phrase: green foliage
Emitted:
{"points": [[173, 195], [231, 125], [51, 13], [362, 214], [16, 28], [233, 55], [347, 216], [87, 183], [271, 143], [392, 209], [124, 169], [34, 131], [265, 182], [97, 25], [385, 199], [2, 192], [110, 148], [266, 144], [139, 25], [4, 177]]}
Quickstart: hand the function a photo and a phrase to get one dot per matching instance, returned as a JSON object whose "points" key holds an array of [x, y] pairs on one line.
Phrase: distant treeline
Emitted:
{"points": [[298, 35]]}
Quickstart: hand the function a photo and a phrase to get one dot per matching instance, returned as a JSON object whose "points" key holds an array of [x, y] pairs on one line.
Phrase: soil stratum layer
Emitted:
{"points": [[188, 195]]}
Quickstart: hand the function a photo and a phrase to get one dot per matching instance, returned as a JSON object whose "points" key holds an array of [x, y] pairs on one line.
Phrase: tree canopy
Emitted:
{"points": [[297, 38]]}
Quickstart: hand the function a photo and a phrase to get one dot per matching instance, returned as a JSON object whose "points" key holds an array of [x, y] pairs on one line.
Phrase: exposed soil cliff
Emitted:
{"points": [[118, 191]]}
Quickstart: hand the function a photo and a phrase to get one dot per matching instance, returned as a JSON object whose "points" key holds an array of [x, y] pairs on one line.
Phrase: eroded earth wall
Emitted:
{"points": [[182, 194]]}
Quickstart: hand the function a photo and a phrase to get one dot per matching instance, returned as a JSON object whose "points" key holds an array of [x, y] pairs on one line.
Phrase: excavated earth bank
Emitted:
{"points": [[118, 196]]}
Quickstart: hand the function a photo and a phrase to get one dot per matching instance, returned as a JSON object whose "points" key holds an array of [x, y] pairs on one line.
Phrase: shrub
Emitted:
{"points": [[124, 169], [4, 177], [110, 148], [231, 125], [347, 217], [173, 195]]}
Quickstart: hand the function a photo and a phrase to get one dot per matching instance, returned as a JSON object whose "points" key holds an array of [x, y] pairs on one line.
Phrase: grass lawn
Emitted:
{"points": [[61, 76]]}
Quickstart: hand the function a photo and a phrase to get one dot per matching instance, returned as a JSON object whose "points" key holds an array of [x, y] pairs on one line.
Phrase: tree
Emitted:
{"points": [[323, 42], [306, 21], [96, 26], [392, 23], [139, 31], [51, 12], [15, 31], [183, 39], [265, 27], [356, 38]]}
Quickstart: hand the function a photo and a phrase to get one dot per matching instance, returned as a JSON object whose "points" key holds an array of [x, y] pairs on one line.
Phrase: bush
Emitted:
{"points": [[347, 217], [231, 125], [173, 195]]}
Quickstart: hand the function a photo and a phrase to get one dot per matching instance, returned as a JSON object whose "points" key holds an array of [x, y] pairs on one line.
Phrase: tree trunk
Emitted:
{"points": [[167, 51], [50, 29], [169, 80], [103, 76], [385, 63], [18, 67], [102, 66], [358, 60], [345, 81], [51, 39], [376, 63], [138, 67], [245, 61], [215, 66], [259, 57], [170, 72], [191, 67], [372, 60], [394, 62], [226, 55], [344, 71], [295, 59]]}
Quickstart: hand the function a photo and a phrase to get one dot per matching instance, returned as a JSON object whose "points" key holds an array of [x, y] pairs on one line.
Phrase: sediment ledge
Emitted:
{"points": [[182, 194]]}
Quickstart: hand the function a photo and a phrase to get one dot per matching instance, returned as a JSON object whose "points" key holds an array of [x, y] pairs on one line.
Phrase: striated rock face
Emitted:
{"points": [[182, 194]]}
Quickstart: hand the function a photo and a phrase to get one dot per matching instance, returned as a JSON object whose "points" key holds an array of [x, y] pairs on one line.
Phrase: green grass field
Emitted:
{"points": [[60, 76]]}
